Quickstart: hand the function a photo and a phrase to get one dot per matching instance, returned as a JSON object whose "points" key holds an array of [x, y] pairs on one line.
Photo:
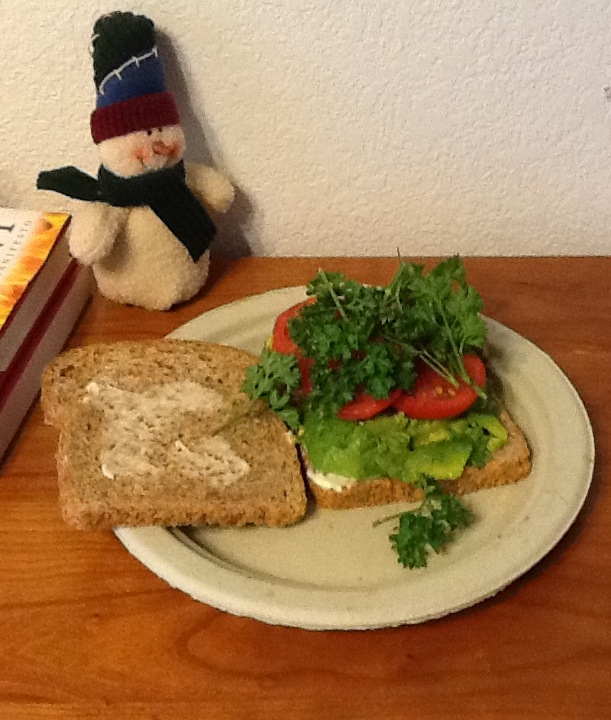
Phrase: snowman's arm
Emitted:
{"points": [[212, 187], [94, 229]]}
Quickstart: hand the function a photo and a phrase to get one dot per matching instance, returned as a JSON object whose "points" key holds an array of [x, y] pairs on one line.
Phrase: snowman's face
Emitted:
{"points": [[143, 151]]}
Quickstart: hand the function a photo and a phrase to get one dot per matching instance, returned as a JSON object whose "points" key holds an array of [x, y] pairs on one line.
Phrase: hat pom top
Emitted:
{"points": [[129, 77], [117, 37]]}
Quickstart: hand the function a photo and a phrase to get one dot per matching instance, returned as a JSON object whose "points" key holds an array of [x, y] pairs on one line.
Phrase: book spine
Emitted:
{"points": [[20, 383]]}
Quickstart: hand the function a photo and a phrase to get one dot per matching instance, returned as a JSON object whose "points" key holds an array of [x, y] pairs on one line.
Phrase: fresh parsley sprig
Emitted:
{"points": [[429, 527], [274, 379], [437, 314], [340, 332]]}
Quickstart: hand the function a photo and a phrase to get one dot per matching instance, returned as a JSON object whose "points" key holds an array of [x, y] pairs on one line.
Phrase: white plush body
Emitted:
{"points": [[135, 259], [147, 266]]}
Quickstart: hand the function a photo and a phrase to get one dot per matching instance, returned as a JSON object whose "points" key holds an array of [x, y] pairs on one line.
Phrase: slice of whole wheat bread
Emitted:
{"points": [[159, 433], [508, 465]]}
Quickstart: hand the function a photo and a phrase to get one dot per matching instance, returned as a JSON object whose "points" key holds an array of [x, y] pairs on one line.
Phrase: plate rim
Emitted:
{"points": [[161, 551]]}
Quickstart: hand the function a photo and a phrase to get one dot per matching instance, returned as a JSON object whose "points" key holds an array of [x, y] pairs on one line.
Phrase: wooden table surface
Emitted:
{"points": [[86, 631]]}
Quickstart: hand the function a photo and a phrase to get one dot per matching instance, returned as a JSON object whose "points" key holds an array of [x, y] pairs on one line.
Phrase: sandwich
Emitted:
{"points": [[363, 396], [160, 433], [389, 398]]}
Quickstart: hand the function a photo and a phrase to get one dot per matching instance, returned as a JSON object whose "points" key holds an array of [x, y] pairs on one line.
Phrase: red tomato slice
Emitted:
{"points": [[434, 398], [365, 406], [475, 368], [282, 342]]}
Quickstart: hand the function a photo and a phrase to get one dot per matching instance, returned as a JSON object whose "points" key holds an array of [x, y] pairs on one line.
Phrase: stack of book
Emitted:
{"points": [[42, 294]]}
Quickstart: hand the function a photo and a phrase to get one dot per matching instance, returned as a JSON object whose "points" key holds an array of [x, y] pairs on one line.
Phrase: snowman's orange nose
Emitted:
{"points": [[160, 148]]}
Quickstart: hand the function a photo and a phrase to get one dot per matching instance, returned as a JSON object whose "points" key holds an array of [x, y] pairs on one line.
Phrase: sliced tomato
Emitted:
{"points": [[434, 398], [282, 342], [364, 406], [475, 368]]}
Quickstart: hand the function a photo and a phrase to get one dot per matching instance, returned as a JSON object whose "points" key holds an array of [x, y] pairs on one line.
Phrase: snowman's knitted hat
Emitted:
{"points": [[129, 78]]}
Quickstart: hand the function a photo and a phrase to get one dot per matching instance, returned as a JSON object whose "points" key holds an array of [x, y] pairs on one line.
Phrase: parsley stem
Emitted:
{"points": [[457, 355], [333, 294], [388, 518], [437, 366]]}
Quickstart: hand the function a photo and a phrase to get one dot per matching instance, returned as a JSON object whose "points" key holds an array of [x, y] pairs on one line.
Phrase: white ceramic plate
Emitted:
{"points": [[335, 569]]}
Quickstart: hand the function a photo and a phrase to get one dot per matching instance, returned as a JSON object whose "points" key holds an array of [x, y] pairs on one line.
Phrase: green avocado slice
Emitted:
{"points": [[395, 446]]}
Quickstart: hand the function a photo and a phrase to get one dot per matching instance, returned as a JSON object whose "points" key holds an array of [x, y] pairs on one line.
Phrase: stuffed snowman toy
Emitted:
{"points": [[146, 227]]}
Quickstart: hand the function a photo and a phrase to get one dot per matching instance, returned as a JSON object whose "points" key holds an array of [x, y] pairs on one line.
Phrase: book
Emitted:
{"points": [[43, 291], [33, 257]]}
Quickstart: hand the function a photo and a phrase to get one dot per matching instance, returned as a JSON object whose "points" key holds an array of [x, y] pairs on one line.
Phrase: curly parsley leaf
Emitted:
{"points": [[274, 379], [430, 527], [343, 334]]}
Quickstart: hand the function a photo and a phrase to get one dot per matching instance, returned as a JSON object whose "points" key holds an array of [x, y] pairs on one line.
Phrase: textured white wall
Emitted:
{"points": [[350, 127]]}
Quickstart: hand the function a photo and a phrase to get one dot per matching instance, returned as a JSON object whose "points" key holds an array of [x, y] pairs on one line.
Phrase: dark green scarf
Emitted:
{"points": [[164, 191]]}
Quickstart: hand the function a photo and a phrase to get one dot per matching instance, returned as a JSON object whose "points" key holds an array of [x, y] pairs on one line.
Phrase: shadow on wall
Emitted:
{"points": [[232, 237]]}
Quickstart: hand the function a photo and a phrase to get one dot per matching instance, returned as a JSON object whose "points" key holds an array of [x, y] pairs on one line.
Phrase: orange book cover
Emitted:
{"points": [[27, 238]]}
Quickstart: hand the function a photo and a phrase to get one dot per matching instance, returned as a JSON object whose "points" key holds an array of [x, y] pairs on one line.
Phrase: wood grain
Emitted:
{"points": [[87, 632]]}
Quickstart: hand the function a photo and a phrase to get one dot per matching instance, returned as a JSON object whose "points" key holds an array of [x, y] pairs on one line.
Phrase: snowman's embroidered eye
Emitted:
{"points": [[149, 132], [159, 129]]}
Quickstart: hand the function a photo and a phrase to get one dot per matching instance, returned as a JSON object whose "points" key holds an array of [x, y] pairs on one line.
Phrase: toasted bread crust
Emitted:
{"points": [[271, 492], [510, 464]]}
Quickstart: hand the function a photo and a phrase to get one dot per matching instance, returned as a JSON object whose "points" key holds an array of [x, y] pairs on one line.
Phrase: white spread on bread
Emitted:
{"points": [[107, 473], [330, 481], [215, 458], [138, 424]]}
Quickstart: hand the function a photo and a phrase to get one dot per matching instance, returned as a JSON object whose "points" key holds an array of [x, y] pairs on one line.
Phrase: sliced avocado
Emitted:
{"points": [[333, 446], [474, 423], [443, 460], [393, 446], [424, 432]]}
